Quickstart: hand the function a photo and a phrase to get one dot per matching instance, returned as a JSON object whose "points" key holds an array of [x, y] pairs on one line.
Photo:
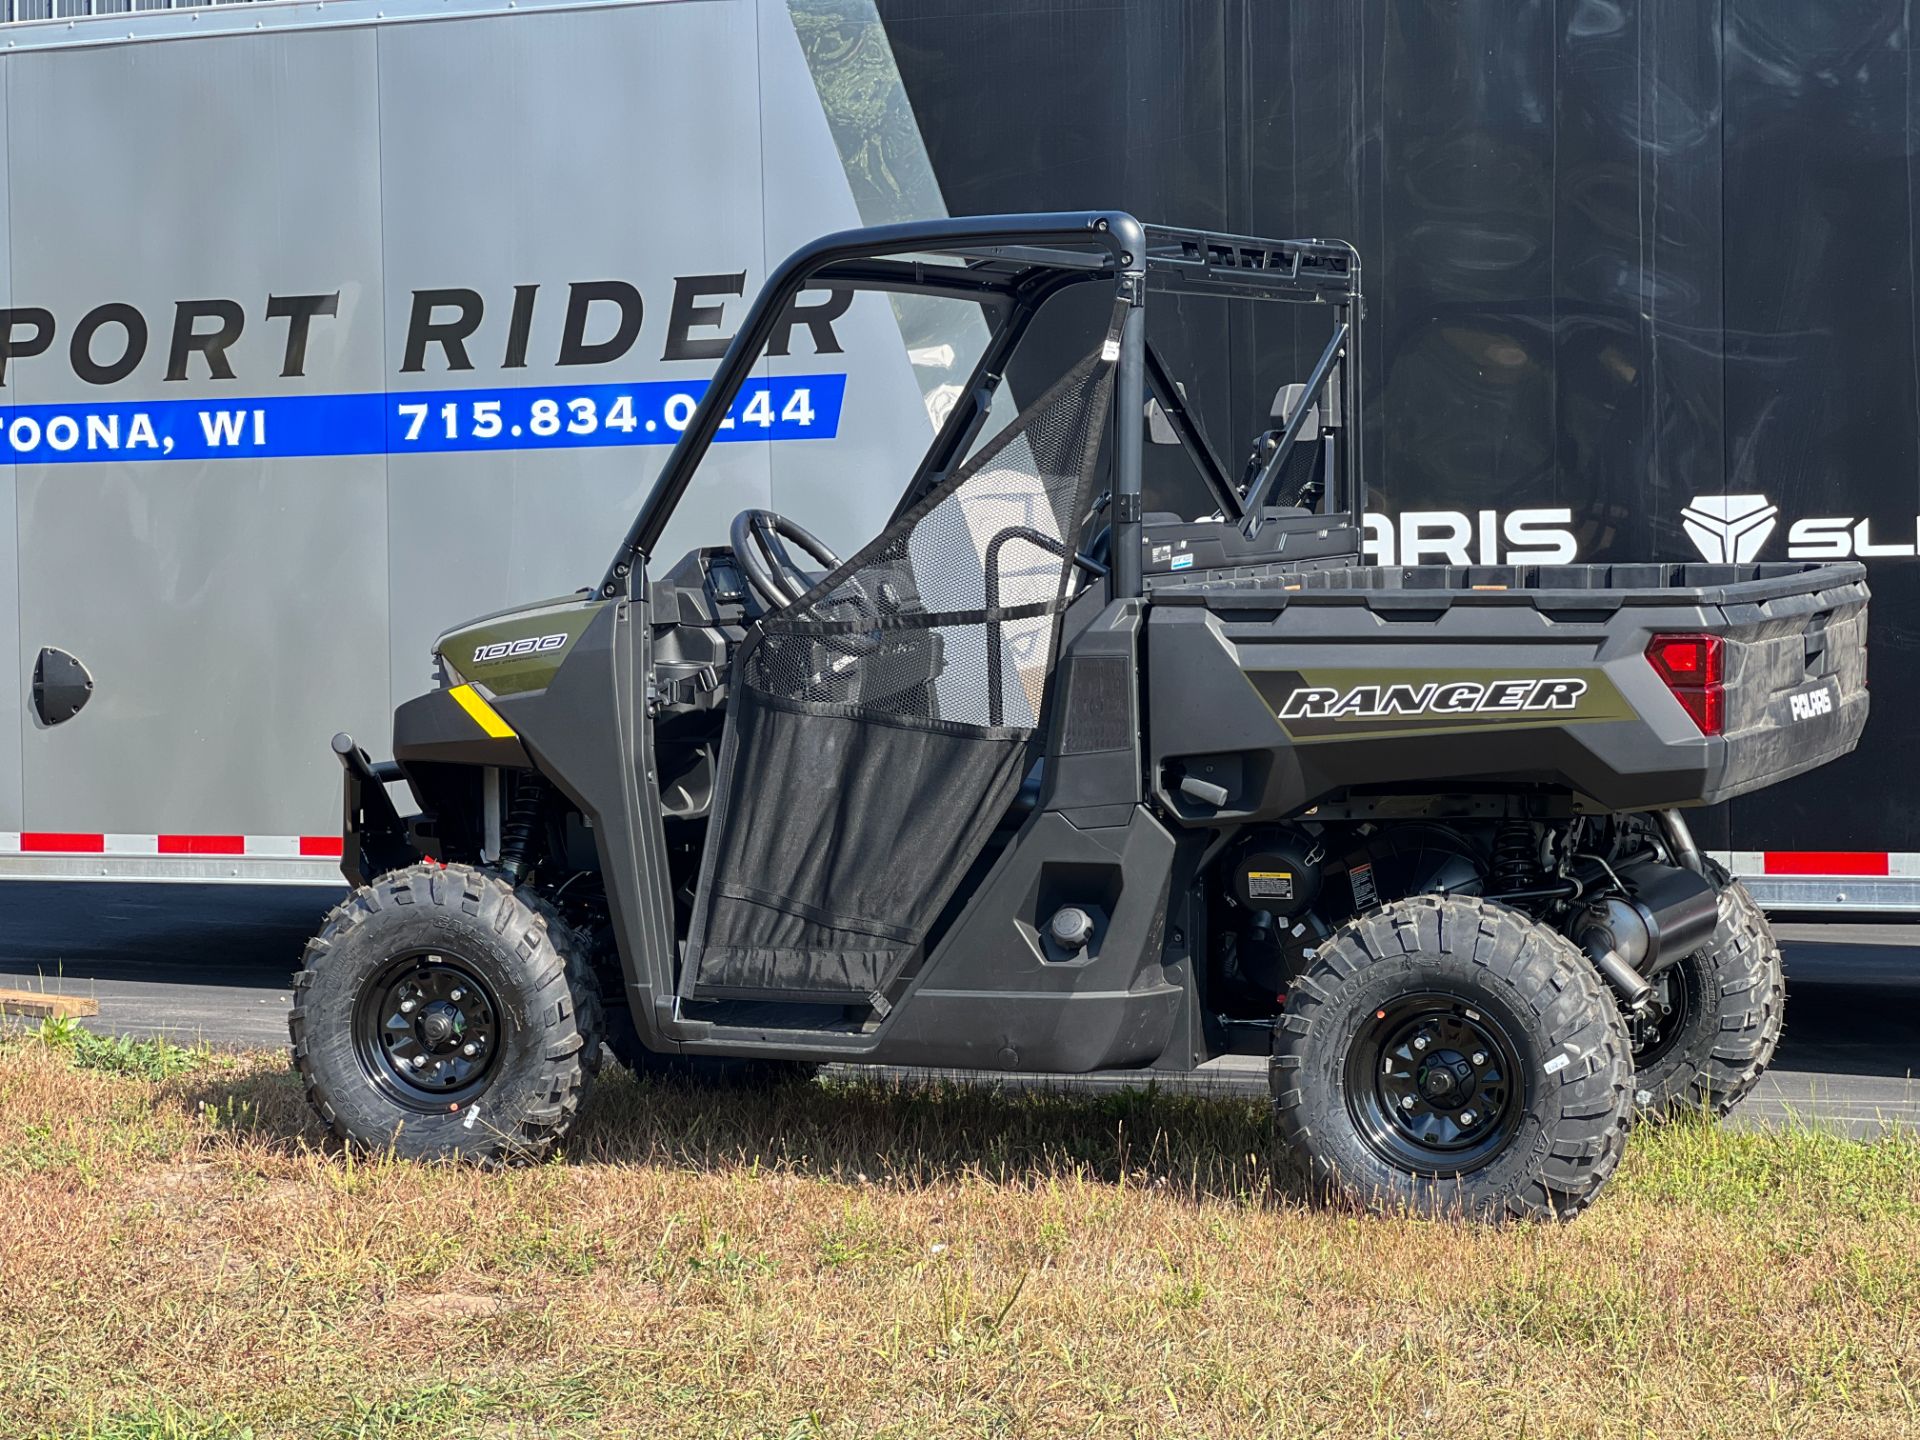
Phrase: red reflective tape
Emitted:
{"points": [[203, 844], [327, 845], [51, 841], [1825, 862]]}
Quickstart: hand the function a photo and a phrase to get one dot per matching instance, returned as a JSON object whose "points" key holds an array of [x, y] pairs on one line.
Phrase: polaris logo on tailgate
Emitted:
{"points": [[1809, 703], [1457, 697]]}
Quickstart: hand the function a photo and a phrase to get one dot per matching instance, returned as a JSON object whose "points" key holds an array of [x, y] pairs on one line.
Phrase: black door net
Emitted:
{"points": [[878, 727]]}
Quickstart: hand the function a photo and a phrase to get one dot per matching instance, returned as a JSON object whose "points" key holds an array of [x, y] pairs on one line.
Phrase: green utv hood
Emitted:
{"points": [[514, 651]]}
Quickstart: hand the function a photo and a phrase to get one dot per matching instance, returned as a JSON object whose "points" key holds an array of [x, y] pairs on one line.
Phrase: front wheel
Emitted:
{"points": [[1710, 1030], [442, 1014], [1448, 1055]]}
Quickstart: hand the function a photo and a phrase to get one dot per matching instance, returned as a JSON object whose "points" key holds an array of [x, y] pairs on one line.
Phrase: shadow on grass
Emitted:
{"points": [[903, 1134]]}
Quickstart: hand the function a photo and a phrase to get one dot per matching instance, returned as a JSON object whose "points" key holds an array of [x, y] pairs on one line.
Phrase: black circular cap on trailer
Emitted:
{"points": [[61, 686]]}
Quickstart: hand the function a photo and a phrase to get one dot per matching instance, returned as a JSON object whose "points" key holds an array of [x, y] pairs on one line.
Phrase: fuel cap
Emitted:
{"points": [[1071, 928]]}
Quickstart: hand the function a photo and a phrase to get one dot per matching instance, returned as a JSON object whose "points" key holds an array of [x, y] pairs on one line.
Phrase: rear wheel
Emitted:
{"points": [[442, 1014], [1448, 1055], [1714, 1022]]}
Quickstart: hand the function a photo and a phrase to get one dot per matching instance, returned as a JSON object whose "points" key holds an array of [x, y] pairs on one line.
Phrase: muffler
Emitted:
{"points": [[1666, 914]]}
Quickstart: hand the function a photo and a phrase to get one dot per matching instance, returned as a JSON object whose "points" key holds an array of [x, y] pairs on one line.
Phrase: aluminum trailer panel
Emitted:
{"points": [[334, 325]]}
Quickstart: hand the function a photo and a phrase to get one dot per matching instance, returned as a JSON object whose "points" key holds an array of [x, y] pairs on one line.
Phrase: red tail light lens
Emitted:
{"points": [[1691, 666]]}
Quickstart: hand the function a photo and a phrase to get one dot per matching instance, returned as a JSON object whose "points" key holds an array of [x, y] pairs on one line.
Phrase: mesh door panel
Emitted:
{"points": [[877, 726]]}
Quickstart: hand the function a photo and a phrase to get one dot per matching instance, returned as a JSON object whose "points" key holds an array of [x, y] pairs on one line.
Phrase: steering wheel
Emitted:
{"points": [[772, 574]]}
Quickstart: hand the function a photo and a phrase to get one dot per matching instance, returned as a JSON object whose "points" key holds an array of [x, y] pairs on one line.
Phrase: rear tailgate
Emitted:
{"points": [[1796, 687]]}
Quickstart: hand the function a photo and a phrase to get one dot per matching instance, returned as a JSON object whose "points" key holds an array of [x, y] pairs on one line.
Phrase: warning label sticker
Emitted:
{"points": [[1270, 884]]}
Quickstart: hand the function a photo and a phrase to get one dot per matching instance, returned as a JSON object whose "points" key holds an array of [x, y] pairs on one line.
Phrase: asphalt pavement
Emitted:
{"points": [[211, 963]]}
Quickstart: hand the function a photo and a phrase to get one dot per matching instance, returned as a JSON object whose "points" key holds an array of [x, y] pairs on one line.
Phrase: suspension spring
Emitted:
{"points": [[521, 825], [1516, 858]]}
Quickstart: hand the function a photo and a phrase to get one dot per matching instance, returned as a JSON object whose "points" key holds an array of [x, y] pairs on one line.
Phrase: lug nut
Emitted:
{"points": [[1419, 1042], [1479, 1057], [469, 1049], [406, 1007], [1466, 1117], [1407, 1102], [419, 1062], [457, 994]]}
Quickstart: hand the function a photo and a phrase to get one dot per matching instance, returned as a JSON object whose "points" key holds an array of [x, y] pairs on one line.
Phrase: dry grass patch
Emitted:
{"points": [[182, 1258]]}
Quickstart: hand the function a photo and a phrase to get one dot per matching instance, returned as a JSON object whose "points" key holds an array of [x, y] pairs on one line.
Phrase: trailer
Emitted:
{"points": [[285, 278], [326, 325]]}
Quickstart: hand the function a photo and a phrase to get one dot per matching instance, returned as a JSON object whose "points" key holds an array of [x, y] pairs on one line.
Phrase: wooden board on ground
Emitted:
{"points": [[39, 1005]]}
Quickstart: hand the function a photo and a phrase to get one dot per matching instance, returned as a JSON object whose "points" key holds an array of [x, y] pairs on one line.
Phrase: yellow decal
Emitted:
{"points": [[484, 715], [1269, 874]]}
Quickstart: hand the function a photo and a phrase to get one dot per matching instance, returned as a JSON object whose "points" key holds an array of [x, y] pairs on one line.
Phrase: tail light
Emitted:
{"points": [[1691, 666]]}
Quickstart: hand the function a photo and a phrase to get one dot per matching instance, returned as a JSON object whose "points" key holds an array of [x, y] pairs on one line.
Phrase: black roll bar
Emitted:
{"points": [[1310, 397], [1015, 243], [1023, 260], [1192, 438]]}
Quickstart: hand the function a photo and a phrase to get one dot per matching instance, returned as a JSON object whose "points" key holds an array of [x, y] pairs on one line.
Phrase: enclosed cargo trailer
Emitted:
{"points": [[1598, 333]]}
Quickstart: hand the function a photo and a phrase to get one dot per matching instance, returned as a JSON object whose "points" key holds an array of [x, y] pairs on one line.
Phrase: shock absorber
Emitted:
{"points": [[522, 824], [1516, 859]]}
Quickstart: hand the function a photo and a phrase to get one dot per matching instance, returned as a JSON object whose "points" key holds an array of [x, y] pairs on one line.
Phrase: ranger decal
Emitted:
{"points": [[1348, 702], [1457, 697]]}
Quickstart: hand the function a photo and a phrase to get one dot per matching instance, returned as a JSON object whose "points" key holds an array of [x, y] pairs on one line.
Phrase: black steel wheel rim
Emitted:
{"points": [[1435, 1084], [1656, 1028], [427, 1030]]}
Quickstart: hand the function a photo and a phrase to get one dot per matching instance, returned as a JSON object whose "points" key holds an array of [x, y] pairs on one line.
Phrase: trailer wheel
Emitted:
{"points": [[1449, 1056], [440, 1013], [1716, 1016]]}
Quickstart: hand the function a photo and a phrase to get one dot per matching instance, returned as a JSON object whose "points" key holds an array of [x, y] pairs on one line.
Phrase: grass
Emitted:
{"points": [[181, 1258], [158, 1059]]}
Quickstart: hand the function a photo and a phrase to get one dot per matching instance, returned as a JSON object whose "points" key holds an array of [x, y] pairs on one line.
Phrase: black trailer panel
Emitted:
{"points": [[1620, 258]]}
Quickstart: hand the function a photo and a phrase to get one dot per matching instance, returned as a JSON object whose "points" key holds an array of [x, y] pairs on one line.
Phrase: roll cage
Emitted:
{"points": [[1014, 264]]}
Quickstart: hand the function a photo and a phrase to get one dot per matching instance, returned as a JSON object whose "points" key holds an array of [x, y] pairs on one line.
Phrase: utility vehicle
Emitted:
{"points": [[1038, 780]]}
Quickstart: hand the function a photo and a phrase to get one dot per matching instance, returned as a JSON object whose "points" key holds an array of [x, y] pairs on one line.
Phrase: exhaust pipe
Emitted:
{"points": [[1680, 840], [1616, 938], [1667, 914]]}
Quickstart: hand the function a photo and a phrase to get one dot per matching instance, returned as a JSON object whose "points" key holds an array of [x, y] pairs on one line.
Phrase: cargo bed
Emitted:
{"points": [[1361, 681]]}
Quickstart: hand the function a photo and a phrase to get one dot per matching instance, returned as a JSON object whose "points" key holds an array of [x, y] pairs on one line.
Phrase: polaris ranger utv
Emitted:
{"points": [[1037, 781]]}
